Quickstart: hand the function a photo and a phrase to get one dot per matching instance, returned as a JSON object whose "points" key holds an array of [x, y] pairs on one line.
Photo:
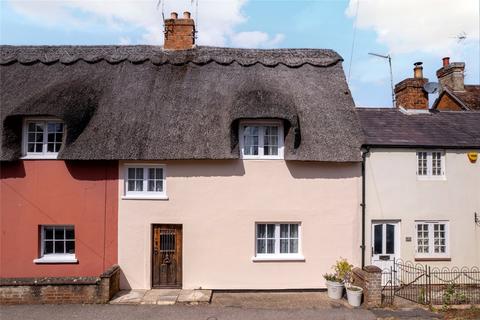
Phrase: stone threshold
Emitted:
{"points": [[162, 297]]}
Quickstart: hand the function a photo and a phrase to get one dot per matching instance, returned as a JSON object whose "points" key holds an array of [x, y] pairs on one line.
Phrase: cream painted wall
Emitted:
{"points": [[394, 192], [218, 203]]}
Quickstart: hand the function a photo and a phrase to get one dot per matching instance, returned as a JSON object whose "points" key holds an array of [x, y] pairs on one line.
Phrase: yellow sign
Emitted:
{"points": [[473, 156]]}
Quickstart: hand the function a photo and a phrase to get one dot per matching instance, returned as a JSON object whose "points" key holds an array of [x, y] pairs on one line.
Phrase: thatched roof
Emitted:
{"points": [[390, 127], [141, 102]]}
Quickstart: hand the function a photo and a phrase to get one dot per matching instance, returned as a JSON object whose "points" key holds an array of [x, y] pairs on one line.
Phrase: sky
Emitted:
{"points": [[407, 30]]}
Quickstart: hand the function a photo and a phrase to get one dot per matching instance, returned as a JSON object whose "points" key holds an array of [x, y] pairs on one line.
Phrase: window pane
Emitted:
{"points": [[261, 230], [38, 147], [139, 173], [131, 173], [293, 246], [261, 247], [378, 236], [159, 186], [48, 233], [270, 230], [271, 246], [59, 233], [390, 239], [131, 185], [59, 247], [270, 140], [250, 139], [138, 185], [151, 173], [283, 246], [70, 247], [48, 247], [294, 231], [50, 147], [69, 234], [151, 185], [284, 231]]}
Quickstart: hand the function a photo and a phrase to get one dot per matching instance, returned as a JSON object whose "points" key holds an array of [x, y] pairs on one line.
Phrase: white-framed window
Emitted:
{"points": [[145, 181], [42, 138], [278, 241], [432, 239], [57, 244], [430, 164], [261, 139]]}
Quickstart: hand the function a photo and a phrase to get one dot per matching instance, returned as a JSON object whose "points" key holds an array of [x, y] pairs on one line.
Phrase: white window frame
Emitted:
{"points": [[429, 175], [261, 123], [55, 257], [139, 195], [431, 254], [44, 154], [277, 256]]}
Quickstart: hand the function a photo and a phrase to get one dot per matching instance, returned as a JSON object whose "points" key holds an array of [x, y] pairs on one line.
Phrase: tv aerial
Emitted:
{"points": [[431, 87]]}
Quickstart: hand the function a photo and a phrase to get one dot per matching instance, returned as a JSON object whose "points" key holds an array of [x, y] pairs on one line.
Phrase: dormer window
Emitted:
{"points": [[261, 139], [42, 138]]}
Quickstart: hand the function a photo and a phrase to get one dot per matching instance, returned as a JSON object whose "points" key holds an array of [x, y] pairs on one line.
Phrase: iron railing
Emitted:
{"points": [[428, 285]]}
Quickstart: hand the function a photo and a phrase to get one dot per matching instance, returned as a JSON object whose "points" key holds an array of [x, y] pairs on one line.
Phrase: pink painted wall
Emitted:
{"points": [[38, 192]]}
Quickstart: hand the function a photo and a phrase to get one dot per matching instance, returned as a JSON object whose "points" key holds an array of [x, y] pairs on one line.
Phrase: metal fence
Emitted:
{"points": [[431, 285]]}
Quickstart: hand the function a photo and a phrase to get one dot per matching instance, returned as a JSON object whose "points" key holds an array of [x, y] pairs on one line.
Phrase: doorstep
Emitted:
{"points": [[162, 297]]}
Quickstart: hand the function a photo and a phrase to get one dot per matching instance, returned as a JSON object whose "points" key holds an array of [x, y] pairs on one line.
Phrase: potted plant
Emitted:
{"points": [[354, 295], [343, 269], [334, 286]]}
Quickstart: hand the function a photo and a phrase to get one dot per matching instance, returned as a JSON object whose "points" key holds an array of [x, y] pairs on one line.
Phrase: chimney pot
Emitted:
{"points": [[418, 70], [446, 61], [186, 15], [173, 15]]}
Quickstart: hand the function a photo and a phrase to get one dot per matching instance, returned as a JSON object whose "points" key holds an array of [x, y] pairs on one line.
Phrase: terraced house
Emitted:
{"points": [[422, 176], [232, 168]]}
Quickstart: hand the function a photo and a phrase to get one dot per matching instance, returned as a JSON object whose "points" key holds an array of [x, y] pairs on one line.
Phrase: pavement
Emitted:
{"points": [[224, 306]]}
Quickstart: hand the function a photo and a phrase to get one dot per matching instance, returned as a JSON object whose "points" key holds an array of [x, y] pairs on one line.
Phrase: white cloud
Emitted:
{"points": [[420, 25], [216, 20], [256, 39]]}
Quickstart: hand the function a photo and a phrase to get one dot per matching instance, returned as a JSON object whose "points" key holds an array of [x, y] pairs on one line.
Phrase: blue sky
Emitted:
{"points": [[408, 30]]}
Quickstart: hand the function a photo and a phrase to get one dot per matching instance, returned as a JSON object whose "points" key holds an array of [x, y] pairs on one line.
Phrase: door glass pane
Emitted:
{"points": [[390, 239], [377, 238]]}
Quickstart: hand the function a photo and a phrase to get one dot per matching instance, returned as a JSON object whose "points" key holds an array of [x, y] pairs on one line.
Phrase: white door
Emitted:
{"points": [[385, 243]]}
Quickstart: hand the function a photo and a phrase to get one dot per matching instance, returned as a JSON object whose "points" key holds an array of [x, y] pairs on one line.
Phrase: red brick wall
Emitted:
{"points": [[180, 34], [446, 103], [409, 94], [49, 192]]}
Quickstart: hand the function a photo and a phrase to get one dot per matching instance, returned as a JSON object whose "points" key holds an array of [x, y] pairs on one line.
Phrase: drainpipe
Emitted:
{"points": [[363, 204]]}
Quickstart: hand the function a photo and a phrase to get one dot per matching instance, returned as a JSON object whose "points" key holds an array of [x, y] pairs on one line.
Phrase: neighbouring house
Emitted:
{"points": [[454, 94], [234, 168], [422, 181]]}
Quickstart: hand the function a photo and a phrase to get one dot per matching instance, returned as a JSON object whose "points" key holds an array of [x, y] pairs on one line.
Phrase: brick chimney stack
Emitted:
{"points": [[179, 33], [409, 93], [451, 75]]}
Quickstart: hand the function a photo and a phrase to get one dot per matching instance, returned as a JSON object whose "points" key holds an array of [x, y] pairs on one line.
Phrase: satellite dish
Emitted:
{"points": [[431, 87]]}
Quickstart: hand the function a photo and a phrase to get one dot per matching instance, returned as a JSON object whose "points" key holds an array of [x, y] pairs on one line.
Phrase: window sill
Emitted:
{"points": [[40, 156], [279, 258], [433, 259], [431, 178], [146, 197], [60, 258], [261, 158]]}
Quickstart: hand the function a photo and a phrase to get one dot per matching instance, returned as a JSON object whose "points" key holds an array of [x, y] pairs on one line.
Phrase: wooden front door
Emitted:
{"points": [[167, 256]]}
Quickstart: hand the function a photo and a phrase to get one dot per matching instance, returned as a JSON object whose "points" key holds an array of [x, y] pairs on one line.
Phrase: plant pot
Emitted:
{"points": [[335, 289], [354, 296]]}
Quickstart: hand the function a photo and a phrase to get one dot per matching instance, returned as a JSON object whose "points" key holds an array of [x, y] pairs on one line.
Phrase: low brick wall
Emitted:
{"points": [[60, 290], [370, 279]]}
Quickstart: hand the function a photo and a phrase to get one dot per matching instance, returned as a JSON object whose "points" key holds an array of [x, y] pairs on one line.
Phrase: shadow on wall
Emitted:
{"points": [[205, 168], [323, 170], [92, 170], [14, 169]]}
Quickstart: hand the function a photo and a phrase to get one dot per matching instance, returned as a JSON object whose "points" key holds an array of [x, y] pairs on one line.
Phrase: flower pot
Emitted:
{"points": [[335, 289], [354, 296]]}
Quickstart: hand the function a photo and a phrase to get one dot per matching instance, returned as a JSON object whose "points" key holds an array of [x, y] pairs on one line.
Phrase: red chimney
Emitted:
{"points": [[446, 61], [179, 33], [409, 93]]}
